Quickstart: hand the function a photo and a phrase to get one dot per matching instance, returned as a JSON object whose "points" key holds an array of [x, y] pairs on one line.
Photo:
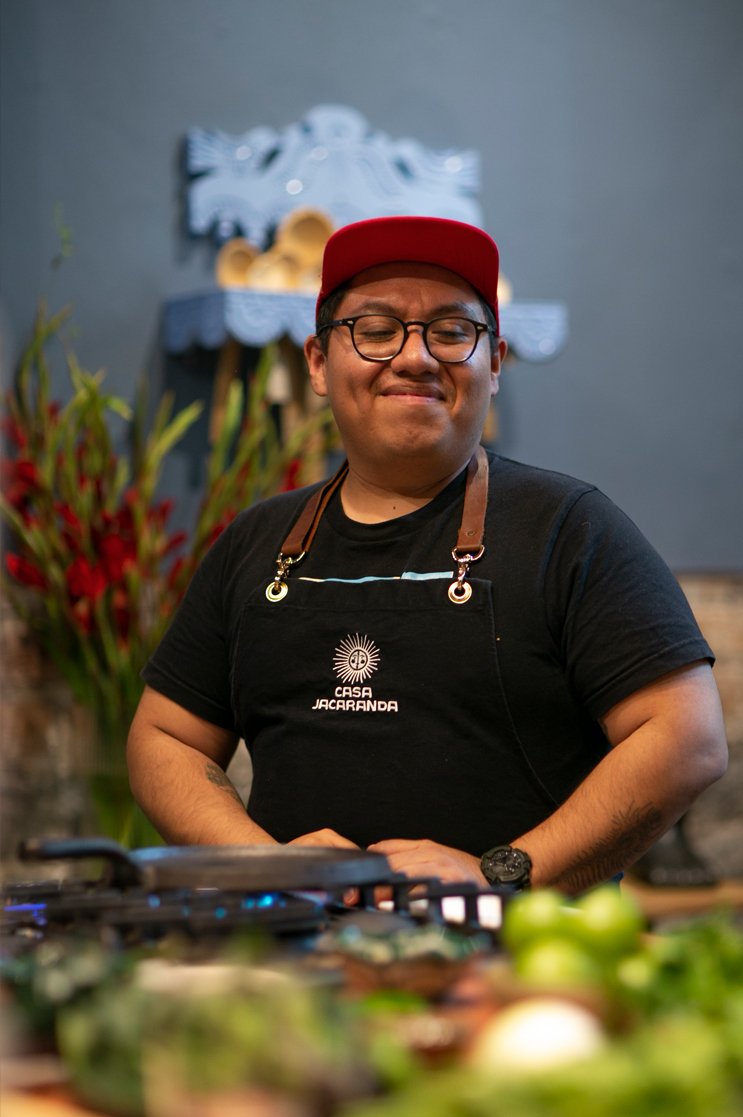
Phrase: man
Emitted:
{"points": [[479, 669]]}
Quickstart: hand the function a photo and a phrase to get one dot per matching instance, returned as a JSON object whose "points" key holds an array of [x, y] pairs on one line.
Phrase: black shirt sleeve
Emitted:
{"points": [[191, 663], [616, 611]]}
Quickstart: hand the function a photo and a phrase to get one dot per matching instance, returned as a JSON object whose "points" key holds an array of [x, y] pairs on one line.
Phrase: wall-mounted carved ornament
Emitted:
{"points": [[256, 193], [331, 160]]}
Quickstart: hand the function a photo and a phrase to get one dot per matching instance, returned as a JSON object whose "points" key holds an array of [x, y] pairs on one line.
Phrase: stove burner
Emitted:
{"points": [[149, 915], [291, 893]]}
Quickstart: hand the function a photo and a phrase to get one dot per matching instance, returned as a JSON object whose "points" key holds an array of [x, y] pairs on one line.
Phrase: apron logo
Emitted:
{"points": [[356, 659]]}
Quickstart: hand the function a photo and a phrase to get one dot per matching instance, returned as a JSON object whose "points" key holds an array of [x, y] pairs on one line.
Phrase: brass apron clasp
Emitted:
{"points": [[460, 590], [278, 589]]}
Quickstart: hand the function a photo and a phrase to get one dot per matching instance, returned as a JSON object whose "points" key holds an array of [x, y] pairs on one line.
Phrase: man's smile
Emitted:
{"points": [[416, 392]]}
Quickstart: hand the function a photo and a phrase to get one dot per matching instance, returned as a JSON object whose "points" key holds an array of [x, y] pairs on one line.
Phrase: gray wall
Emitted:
{"points": [[611, 136]]}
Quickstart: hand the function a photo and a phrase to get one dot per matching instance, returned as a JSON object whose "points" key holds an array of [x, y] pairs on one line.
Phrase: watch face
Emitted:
{"points": [[506, 866], [509, 863]]}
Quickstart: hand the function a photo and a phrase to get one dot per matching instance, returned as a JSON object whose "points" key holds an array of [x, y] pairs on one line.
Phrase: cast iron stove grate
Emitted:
{"points": [[204, 892]]}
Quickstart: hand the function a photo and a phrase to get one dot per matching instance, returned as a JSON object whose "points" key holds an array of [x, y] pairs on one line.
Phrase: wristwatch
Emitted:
{"points": [[506, 865]]}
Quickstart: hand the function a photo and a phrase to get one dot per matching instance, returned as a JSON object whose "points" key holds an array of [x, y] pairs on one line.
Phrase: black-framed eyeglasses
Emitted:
{"points": [[380, 337]]}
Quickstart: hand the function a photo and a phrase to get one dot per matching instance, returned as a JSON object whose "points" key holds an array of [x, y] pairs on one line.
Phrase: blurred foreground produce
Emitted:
{"points": [[185, 1033], [586, 1015], [677, 1068], [595, 1018]]}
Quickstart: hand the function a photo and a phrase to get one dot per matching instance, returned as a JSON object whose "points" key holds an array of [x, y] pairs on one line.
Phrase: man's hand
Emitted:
{"points": [[323, 838], [327, 838], [424, 858]]}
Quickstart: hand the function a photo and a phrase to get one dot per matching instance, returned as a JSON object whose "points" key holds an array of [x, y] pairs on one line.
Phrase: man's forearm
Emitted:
{"points": [[627, 802], [187, 796], [644, 785], [583, 844]]}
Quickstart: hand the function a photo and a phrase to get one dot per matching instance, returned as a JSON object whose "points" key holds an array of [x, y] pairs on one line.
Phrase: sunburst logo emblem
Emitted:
{"points": [[356, 659]]}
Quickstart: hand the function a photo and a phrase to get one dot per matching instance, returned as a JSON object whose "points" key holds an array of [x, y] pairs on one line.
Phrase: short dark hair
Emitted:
{"points": [[329, 309], [327, 312]]}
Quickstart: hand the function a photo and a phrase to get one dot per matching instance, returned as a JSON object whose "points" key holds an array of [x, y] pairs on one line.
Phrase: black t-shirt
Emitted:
{"points": [[465, 724]]}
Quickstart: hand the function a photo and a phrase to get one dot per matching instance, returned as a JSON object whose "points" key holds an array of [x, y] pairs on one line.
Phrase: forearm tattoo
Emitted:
{"points": [[219, 778], [633, 830]]}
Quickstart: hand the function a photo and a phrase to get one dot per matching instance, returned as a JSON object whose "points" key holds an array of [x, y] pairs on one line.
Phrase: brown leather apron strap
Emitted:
{"points": [[302, 533], [470, 540], [472, 528]]}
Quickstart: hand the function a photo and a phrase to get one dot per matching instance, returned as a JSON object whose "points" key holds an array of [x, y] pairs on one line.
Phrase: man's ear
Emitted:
{"points": [[496, 363], [316, 361]]}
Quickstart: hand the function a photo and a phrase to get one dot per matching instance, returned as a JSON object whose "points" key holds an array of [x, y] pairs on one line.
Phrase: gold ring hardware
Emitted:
{"points": [[278, 589], [275, 591], [460, 591]]}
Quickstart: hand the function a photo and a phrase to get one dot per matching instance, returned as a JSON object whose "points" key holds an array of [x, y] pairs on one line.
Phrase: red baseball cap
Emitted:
{"points": [[463, 249]]}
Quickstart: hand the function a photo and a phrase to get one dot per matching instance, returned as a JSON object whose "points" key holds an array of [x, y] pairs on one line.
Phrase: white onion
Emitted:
{"points": [[535, 1033]]}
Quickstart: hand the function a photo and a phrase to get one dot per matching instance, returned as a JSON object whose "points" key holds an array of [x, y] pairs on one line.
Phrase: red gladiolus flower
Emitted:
{"points": [[175, 570], [9, 427], [72, 542], [159, 513], [123, 521], [177, 540], [116, 554], [291, 477], [127, 526], [122, 613], [178, 576], [118, 523], [82, 614], [219, 528], [25, 571], [68, 517], [85, 580], [19, 480]]}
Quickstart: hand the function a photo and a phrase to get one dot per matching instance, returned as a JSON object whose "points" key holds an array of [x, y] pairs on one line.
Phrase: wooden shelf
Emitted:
{"points": [[536, 331]]}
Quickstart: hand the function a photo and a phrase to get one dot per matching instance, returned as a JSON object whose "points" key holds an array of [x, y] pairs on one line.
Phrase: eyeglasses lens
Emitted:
{"points": [[380, 337]]}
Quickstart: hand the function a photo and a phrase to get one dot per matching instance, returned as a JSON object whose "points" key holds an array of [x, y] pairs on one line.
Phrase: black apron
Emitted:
{"points": [[376, 709]]}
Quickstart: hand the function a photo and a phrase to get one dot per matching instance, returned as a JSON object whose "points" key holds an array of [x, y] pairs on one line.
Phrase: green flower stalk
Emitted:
{"points": [[92, 566]]}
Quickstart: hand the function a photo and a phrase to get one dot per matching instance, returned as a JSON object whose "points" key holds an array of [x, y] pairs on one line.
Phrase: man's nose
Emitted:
{"points": [[414, 353]]}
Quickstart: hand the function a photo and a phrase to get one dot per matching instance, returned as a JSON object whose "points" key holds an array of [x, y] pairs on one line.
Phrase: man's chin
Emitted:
{"points": [[421, 451]]}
